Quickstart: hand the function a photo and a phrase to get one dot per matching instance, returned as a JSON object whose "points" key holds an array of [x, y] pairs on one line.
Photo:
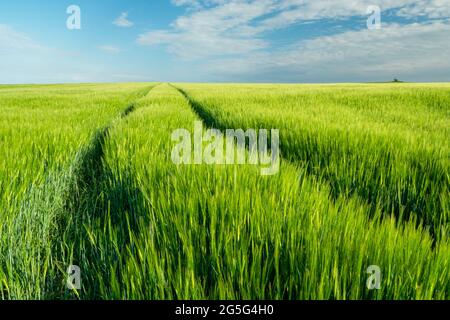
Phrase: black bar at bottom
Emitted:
{"points": [[223, 309]]}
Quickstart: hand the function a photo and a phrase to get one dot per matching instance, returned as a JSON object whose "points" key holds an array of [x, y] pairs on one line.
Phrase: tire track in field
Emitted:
{"points": [[201, 112], [49, 219], [94, 187], [87, 165], [211, 122]]}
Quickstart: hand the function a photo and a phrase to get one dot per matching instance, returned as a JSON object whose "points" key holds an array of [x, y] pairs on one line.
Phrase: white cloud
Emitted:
{"points": [[11, 41], [434, 9], [24, 60], [191, 3], [198, 3], [109, 49], [236, 27], [122, 21], [230, 38], [220, 30], [414, 52]]}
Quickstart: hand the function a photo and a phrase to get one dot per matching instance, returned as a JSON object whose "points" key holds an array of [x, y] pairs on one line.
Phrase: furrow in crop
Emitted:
{"points": [[226, 232], [38, 254], [411, 183]]}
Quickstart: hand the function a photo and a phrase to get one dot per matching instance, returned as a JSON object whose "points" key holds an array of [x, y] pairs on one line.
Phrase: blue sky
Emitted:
{"points": [[224, 41]]}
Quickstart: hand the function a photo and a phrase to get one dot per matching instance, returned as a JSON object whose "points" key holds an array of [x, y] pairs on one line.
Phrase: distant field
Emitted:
{"points": [[87, 179]]}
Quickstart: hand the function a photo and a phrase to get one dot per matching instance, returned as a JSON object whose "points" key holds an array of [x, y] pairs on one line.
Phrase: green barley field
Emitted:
{"points": [[87, 179]]}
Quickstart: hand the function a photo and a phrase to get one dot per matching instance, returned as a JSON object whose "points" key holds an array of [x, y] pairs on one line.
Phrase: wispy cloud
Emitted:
{"points": [[248, 40], [218, 30], [109, 49], [232, 39], [122, 21], [433, 9], [413, 51], [25, 60], [12, 40], [230, 27]]}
